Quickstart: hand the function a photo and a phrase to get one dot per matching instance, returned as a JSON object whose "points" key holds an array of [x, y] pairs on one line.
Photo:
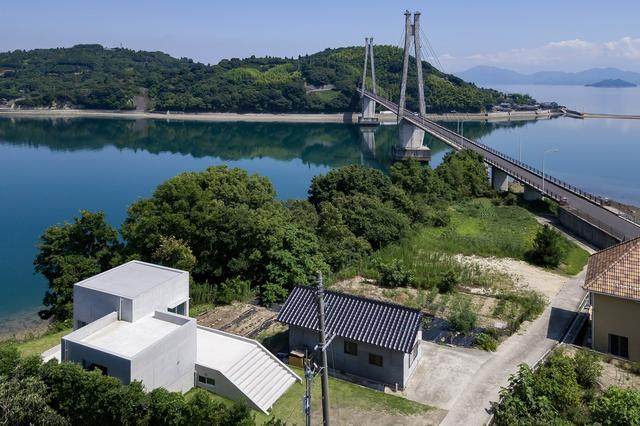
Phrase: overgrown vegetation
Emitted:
{"points": [[65, 394], [563, 390], [91, 76]]}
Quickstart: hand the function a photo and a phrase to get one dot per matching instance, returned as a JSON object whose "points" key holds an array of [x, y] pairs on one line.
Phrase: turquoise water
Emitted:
{"points": [[50, 169]]}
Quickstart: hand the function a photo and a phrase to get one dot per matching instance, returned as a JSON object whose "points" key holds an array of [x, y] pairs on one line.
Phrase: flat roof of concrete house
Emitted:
{"points": [[131, 279], [128, 338]]}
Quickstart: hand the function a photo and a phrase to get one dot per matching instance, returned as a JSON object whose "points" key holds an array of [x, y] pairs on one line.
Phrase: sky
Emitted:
{"points": [[566, 35]]}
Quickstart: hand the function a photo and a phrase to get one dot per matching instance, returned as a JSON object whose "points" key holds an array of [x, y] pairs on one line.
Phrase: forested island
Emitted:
{"points": [[91, 76], [612, 83]]}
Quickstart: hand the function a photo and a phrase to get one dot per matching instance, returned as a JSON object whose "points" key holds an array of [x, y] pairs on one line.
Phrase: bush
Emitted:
{"points": [[394, 274], [486, 342], [462, 318], [439, 218], [233, 289], [547, 249], [448, 282], [588, 368], [617, 406]]}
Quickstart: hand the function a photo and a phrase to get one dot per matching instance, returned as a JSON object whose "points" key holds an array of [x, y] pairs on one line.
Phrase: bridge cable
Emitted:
{"points": [[433, 51]]}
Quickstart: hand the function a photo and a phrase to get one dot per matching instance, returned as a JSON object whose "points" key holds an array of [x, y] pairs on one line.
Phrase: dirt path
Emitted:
{"points": [[472, 406], [524, 274]]}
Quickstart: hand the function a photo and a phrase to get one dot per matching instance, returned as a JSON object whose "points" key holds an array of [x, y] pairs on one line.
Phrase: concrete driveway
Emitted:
{"points": [[465, 381], [443, 374]]}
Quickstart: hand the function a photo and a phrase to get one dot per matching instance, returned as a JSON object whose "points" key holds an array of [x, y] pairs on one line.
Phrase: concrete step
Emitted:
{"points": [[257, 364], [246, 360], [276, 392], [260, 382]]}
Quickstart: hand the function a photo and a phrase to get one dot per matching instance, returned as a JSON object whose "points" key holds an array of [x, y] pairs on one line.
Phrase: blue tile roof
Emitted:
{"points": [[387, 325]]}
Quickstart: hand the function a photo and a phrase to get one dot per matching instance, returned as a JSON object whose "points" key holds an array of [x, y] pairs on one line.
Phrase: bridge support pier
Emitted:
{"points": [[368, 144], [531, 193], [499, 180], [411, 138], [368, 117]]}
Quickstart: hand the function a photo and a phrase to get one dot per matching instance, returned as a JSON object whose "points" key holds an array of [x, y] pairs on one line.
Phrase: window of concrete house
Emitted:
{"points": [[350, 348], [81, 324], [619, 345], [180, 309], [206, 380], [375, 359]]}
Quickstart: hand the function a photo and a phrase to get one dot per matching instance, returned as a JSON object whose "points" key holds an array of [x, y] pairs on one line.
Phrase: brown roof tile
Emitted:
{"points": [[616, 270]]}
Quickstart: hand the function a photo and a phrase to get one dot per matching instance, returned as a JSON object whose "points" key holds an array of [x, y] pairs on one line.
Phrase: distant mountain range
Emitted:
{"points": [[486, 75]]}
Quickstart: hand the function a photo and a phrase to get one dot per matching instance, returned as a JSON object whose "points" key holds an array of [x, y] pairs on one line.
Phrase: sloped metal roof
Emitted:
{"points": [[616, 271], [356, 318]]}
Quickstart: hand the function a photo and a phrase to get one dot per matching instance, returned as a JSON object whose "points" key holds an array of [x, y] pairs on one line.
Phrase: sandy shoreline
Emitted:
{"points": [[346, 117]]}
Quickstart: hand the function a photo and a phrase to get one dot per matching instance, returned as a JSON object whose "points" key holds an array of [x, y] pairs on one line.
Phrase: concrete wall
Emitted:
{"points": [[170, 362], [73, 350], [89, 305], [409, 366], [394, 371], [499, 180], [584, 229], [223, 386], [613, 315], [161, 297]]}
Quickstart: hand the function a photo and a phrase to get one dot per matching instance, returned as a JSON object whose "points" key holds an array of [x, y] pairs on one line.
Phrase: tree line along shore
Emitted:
{"points": [[94, 77]]}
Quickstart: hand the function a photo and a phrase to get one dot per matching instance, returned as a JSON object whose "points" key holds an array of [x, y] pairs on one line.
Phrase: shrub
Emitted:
{"points": [[588, 368], [233, 289], [486, 342], [394, 274], [439, 218], [9, 358], [547, 249], [617, 406], [448, 282], [462, 318], [201, 293]]}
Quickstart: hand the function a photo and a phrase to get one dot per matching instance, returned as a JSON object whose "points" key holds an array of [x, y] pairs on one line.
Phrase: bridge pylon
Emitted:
{"points": [[411, 136], [368, 117]]}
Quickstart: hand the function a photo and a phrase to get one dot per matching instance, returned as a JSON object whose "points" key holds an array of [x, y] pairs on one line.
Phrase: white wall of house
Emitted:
{"points": [[170, 362], [74, 350], [90, 305], [163, 296]]}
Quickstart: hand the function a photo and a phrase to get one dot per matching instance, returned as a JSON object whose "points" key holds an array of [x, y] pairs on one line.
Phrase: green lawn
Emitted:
{"points": [[342, 395], [40, 344], [480, 228]]}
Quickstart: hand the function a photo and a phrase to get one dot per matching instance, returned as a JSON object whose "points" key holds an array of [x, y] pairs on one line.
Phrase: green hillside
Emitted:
{"points": [[94, 77]]}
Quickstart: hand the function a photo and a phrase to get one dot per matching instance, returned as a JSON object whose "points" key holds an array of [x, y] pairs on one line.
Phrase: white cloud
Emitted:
{"points": [[568, 55]]}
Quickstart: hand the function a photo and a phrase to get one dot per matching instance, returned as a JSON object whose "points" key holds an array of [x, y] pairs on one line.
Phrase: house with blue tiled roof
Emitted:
{"points": [[375, 340]]}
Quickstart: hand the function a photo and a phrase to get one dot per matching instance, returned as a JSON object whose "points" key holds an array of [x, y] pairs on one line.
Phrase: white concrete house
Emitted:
{"points": [[131, 322]]}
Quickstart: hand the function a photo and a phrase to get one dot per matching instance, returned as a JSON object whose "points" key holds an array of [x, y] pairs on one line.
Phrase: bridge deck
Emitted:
{"points": [[579, 202]]}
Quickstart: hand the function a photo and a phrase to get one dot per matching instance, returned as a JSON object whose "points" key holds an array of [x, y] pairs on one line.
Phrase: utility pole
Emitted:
{"points": [[308, 382], [323, 349]]}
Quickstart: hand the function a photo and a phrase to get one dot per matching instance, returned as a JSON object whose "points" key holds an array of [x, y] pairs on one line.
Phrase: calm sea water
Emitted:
{"points": [[50, 169]]}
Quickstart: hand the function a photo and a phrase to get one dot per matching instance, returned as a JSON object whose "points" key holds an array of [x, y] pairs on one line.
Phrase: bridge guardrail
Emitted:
{"points": [[584, 194], [453, 138]]}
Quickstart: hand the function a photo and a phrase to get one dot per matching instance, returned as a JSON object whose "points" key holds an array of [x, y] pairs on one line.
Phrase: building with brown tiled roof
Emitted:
{"points": [[613, 279]]}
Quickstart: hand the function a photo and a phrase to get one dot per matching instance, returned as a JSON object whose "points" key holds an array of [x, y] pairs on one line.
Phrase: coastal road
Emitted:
{"points": [[472, 405]]}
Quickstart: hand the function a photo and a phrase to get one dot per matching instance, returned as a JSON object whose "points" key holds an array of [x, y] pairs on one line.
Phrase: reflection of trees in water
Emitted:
{"points": [[320, 144]]}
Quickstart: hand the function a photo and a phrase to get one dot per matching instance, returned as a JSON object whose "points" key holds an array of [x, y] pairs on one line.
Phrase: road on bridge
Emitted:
{"points": [[580, 203]]}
